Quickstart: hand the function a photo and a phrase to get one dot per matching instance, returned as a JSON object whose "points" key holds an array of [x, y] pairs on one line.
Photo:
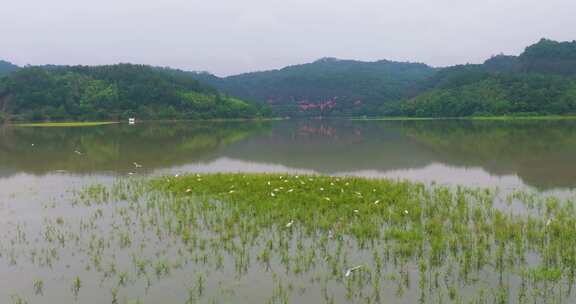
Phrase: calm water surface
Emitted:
{"points": [[39, 166], [537, 154]]}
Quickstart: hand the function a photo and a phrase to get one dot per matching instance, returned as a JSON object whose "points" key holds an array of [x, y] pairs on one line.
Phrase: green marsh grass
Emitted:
{"points": [[431, 227], [65, 124], [309, 238]]}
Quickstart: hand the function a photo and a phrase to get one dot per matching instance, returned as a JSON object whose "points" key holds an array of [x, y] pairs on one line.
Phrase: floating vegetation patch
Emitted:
{"points": [[271, 238], [66, 124]]}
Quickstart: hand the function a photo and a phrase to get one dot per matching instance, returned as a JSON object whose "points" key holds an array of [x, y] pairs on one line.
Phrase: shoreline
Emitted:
{"points": [[103, 123], [64, 124], [543, 117], [391, 118]]}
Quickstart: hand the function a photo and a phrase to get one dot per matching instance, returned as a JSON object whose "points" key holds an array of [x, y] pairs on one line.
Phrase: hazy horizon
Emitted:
{"points": [[226, 38]]}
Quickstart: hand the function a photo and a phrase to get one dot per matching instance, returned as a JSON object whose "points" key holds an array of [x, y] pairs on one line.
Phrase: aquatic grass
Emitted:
{"points": [[38, 286], [65, 124], [76, 285], [300, 204], [436, 223], [339, 238], [16, 299]]}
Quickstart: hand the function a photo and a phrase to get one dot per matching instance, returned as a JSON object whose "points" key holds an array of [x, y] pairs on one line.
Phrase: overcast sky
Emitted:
{"points": [[233, 36]]}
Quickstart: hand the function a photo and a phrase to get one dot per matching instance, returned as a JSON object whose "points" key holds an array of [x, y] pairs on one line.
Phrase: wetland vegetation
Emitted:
{"points": [[312, 238], [131, 214], [66, 124]]}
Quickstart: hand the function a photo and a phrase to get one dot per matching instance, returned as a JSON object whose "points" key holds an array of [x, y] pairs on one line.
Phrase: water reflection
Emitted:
{"points": [[541, 154], [116, 148]]}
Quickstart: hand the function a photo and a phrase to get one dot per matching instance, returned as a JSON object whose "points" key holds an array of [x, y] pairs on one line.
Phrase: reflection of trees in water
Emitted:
{"points": [[318, 130], [117, 147], [542, 153], [326, 129], [348, 146]]}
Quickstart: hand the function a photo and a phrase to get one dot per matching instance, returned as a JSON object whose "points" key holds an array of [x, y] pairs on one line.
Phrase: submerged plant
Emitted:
{"points": [[16, 299], [76, 285], [38, 286]]}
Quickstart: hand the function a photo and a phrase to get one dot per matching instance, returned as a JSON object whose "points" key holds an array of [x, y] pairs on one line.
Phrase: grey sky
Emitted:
{"points": [[233, 36]]}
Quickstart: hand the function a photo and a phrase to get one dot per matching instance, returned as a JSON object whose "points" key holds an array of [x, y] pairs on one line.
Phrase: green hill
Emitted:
{"points": [[7, 67], [327, 86], [537, 82], [550, 57], [114, 92], [540, 81]]}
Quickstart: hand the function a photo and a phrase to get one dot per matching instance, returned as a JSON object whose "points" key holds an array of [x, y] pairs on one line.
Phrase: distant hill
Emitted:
{"points": [[114, 91], [327, 86], [538, 81], [541, 80], [548, 56], [7, 67]]}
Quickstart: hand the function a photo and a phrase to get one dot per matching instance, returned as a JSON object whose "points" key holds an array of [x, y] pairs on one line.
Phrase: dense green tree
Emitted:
{"points": [[538, 82], [503, 94], [548, 56], [7, 67], [115, 91], [541, 80], [326, 87]]}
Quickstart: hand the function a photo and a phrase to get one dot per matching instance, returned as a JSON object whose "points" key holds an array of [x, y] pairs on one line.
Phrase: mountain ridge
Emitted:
{"points": [[113, 92], [327, 86], [341, 87], [538, 81], [7, 67]]}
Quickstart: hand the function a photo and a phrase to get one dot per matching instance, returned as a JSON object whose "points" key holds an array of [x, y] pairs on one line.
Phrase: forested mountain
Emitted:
{"points": [[542, 80], [551, 57], [114, 91], [7, 67], [327, 86], [538, 81]]}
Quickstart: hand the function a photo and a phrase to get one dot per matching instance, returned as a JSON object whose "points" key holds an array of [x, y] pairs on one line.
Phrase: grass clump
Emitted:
{"points": [[66, 124], [459, 232]]}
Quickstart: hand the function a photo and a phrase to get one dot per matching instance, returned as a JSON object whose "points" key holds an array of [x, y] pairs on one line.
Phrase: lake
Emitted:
{"points": [[40, 168], [537, 154]]}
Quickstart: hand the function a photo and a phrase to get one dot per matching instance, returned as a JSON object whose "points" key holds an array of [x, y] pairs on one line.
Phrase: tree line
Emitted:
{"points": [[114, 92], [541, 81]]}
